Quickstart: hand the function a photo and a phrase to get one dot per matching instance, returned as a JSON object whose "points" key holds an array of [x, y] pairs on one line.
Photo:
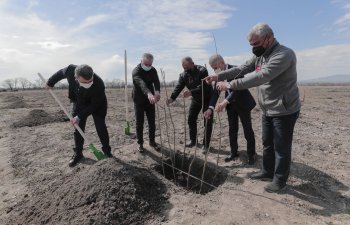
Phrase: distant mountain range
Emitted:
{"points": [[334, 79]]}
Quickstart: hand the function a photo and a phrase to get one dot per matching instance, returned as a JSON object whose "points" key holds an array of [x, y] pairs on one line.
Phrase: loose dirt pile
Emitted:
{"points": [[38, 117], [14, 102], [108, 192]]}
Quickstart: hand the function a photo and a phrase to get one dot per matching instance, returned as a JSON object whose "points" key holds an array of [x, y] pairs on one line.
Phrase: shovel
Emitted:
{"points": [[99, 155]]}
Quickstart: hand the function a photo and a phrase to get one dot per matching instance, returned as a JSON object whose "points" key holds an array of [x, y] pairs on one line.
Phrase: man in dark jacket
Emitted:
{"points": [[87, 93], [238, 104], [145, 94], [192, 79]]}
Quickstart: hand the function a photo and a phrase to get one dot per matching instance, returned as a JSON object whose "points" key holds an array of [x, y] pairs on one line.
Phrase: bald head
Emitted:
{"points": [[187, 63]]}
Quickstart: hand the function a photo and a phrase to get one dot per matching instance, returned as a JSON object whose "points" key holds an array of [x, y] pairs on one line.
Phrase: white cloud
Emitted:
{"points": [[51, 45], [92, 20], [323, 61], [342, 24], [343, 19], [181, 28], [171, 29]]}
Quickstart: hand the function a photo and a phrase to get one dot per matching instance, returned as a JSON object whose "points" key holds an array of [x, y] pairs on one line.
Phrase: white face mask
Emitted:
{"points": [[218, 70], [146, 68], [86, 85]]}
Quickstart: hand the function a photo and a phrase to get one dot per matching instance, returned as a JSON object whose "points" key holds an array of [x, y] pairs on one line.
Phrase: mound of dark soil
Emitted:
{"points": [[15, 102], [38, 117], [108, 192]]}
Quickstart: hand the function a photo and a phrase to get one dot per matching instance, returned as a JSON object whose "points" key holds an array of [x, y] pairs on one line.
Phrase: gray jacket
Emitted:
{"points": [[276, 77]]}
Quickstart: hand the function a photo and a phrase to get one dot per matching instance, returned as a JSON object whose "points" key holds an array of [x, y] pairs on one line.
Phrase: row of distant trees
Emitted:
{"points": [[21, 83]]}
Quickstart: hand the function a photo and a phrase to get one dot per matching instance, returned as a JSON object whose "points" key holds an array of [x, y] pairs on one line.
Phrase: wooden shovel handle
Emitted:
{"points": [[65, 110]]}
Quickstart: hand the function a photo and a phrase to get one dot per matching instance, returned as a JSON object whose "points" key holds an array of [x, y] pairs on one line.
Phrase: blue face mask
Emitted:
{"points": [[146, 68]]}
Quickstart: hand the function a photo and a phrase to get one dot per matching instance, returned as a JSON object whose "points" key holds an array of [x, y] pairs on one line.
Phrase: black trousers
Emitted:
{"points": [[140, 110], [277, 137], [245, 116], [194, 110], [101, 128]]}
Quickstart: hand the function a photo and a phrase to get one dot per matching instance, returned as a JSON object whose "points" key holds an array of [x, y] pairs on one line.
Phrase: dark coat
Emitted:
{"points": [[240, 100], [193, 81], [88, 101], [144, 82]]}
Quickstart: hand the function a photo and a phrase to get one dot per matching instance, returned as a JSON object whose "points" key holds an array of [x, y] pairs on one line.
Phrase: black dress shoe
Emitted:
{"points": [[260, 176], [205, 149], [108, 154], [141, 148], [251, 160], [155, 146], [275, 187], [191, 144], [231, 157], [76, 158]]}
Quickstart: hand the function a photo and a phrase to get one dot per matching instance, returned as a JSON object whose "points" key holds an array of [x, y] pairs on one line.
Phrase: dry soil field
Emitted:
{"points": [[38, 187]]}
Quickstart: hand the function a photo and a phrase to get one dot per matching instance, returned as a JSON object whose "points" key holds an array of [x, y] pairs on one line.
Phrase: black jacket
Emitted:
{"points": [[144, 83], [193, 81], [240, 100], [88, 101]]}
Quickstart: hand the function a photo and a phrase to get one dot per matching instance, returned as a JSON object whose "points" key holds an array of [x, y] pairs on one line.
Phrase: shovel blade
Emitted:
{"points": [[98, 154], [127, 128]]}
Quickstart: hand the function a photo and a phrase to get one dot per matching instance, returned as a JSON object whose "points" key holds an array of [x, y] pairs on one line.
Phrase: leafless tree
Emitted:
{"points": [[115, 83], [37, 84], [24, 83], [9, 84]]}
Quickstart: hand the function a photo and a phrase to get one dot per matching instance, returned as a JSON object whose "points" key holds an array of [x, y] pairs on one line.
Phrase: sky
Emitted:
{"points": [[45, 35]]}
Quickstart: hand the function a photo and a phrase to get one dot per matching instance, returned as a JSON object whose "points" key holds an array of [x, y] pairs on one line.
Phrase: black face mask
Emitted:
{"points": [[258, 51]]}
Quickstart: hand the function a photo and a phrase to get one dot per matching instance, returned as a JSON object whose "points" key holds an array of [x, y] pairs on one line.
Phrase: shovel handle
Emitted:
{"points": [[65, 110]]}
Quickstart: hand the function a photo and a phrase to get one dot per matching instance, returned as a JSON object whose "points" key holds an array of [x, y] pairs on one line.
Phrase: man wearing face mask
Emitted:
{"points": [[238, 105], [192, 79], [87, 93], [273, 71], [146, 93]]}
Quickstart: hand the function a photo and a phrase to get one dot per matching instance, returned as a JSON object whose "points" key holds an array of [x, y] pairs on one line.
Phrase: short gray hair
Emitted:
{"points": [[84, 71], [214, 59], [148, 56], [261, 30], [187, 59]]}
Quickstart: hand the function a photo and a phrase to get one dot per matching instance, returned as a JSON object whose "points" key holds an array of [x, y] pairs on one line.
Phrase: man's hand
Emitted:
{"points": [[157, 96], [220, 107], [186, 94], [223, 85], [151, 98], [46, 86], [207, 114], [75, 120], [210, 78], [169, 101]]}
